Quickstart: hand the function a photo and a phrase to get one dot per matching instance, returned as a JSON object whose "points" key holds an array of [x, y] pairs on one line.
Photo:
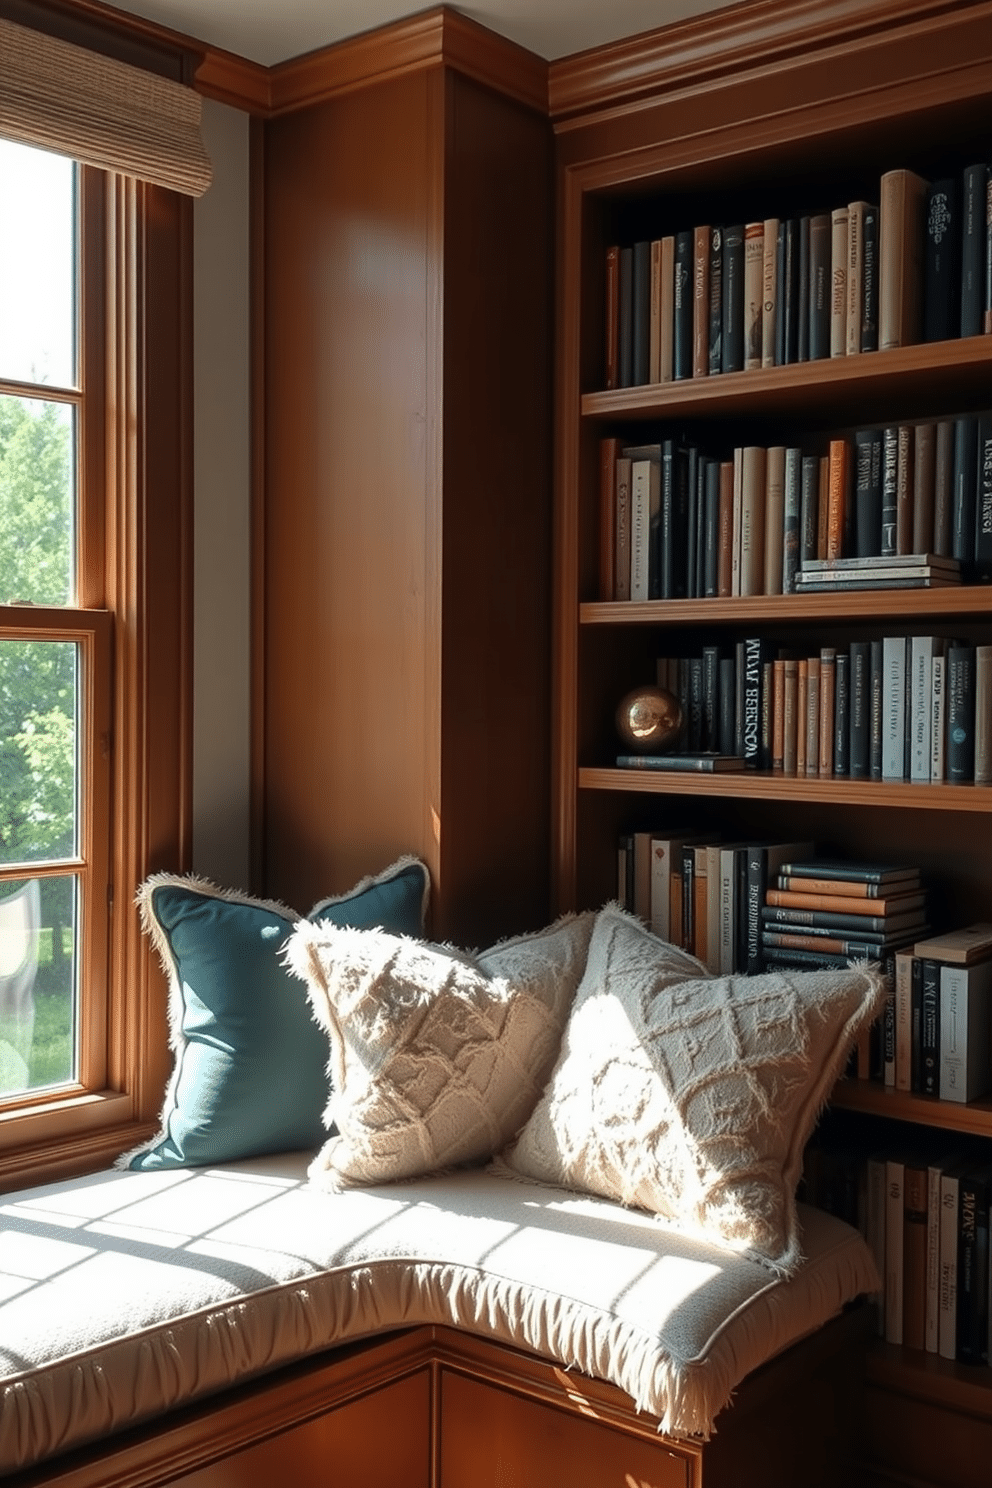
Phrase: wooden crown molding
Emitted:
{"points": [[439, 37], [739, 37]]}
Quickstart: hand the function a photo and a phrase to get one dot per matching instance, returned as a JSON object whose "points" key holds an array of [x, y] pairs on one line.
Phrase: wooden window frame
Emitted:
{"points": [[134, 625]]}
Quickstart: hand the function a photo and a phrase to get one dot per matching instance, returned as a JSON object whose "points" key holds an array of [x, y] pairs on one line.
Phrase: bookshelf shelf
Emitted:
{"points": [[757, 785], [784, 609], [873, 1099], [934, 376]]}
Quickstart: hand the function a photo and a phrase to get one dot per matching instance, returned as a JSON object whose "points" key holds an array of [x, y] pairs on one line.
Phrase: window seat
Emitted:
{"points": [[128, 1295]]}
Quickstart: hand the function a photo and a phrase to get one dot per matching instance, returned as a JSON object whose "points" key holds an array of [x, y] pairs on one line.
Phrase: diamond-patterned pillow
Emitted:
{"points": [[693, 1095], [437, 1056]]}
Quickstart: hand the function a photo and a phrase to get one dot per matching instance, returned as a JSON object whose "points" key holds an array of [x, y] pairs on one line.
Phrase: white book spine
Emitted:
{"points": [[894, 1178], [728, 907], [947, 1337], [893, 708], [965, 1006]]}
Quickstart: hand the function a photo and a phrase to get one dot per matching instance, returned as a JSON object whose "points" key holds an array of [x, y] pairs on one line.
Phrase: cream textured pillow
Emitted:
{"points": [[437, 1057], [693, 1095]]}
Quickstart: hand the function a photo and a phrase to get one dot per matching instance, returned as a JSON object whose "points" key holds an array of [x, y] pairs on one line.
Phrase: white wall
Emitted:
{"points": [[221, 573]]}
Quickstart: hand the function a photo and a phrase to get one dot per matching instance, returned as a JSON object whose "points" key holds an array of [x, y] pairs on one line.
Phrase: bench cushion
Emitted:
{"points": [[125, 1294]]}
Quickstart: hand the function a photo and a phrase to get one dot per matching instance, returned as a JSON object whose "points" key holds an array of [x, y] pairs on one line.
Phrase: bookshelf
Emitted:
{"points": [[730, 119]]}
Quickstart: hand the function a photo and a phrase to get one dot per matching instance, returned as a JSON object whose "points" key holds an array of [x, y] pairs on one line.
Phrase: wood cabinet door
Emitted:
{"points": [[380, 1440], [492, 1438]]}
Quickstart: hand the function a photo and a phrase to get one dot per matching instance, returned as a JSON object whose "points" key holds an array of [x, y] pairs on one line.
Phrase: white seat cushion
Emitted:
{"points": [[125, 1294]]}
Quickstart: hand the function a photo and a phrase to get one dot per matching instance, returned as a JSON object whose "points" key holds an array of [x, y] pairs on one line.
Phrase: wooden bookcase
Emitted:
{"points": [[768, 110]]}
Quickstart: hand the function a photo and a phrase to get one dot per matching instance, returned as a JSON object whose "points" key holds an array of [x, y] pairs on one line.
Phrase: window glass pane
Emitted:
{"points": [[38, 765], [37, 501], [37, 266], [37, 983]]}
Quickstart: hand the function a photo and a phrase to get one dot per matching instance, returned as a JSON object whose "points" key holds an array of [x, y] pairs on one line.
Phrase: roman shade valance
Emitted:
{"points": [[102, 112]]}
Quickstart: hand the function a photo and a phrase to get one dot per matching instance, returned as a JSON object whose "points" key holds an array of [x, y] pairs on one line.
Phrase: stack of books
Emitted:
{"points": [[823, 913], [891, 571], [943, 1016]]}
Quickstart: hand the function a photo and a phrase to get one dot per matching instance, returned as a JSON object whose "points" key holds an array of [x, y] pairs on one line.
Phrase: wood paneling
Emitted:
{"points": [[407, 392]]}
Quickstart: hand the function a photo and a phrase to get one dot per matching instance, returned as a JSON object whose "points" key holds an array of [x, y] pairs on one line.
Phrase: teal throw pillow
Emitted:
{"points": [[250, 1073]]}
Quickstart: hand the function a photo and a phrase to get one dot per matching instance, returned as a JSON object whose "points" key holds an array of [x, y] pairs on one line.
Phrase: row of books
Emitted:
{"points": [[679, 522], [742, 907], [915, 265], [900, 708], [925, 1215]]}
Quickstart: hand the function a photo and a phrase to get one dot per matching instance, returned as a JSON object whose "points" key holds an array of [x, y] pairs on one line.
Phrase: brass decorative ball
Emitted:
{"points": [[649, 720]]}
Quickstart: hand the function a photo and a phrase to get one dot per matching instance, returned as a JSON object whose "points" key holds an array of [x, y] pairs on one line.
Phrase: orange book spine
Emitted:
{"points": [[840, 465], [828, 680], [778, 717], [838, 904]]}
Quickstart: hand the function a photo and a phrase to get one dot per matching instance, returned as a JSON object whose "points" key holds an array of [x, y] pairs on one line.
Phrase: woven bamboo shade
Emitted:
{"points": [[101, 112]]}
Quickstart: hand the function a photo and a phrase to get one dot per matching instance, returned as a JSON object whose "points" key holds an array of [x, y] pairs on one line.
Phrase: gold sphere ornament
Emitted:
{"points": [[649, 720]]}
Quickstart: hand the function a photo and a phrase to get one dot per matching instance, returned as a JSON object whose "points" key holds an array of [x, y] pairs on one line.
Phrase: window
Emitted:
{"points": [[95, 473]]}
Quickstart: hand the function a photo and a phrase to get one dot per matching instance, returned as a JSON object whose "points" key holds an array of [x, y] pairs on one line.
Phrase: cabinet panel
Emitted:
{"points": [[491, 1438], [381, 1439]]}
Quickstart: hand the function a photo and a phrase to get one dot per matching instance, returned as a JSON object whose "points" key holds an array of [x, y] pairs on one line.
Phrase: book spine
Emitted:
{"points": [[715, 349], [754, 261], [941, 260], [842, 717], [609, 450], [682, 303], [769, 278], [625, 353], [611, 378], [924, 486], [828, 690], [943, 487], [973, 1270], [733, 298], [938, 725], [903, 979], [868, 493], [789, 287], [855, 271], [820, 286], [894, 708], [838, 281], [838, 508], [947, 1341], [983, 715], [900, 253], [973, 193], [890, 489], [666, 327], [929, 1027], [802, 312], [654, 322], [869, 294], [791, 518], [701, 302], [894, 1226], [860, 688], [904, 490], [774, 518], [914, 1255], [983, 499], [641, 313], [960, 747], [752, 528], [876, 673]]}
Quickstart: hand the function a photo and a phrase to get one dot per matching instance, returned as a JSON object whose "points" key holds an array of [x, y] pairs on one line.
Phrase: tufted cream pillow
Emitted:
{"points": [[437, 1056], [693, 1095]]}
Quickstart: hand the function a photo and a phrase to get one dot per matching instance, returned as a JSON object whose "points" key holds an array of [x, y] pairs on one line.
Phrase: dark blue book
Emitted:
{"points": [[732, 350], [964, 493], [942, 260], [974, 186], [959, 753]]}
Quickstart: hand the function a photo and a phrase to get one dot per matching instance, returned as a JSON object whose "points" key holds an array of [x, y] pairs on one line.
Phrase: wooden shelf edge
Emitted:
{"points": [[868, 1097], [761, 786], [777, 388], [936, 1381], [964, 599]]}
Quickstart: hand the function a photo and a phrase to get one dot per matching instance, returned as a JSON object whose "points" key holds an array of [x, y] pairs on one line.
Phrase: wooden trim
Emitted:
{"points": [[237, 81], [439, 37], [740, 38], [257, 568]]}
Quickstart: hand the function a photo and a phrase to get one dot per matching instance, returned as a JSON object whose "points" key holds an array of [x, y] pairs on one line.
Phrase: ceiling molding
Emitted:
{"points": [[717, 42], [227, 78], [439, 37]]}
